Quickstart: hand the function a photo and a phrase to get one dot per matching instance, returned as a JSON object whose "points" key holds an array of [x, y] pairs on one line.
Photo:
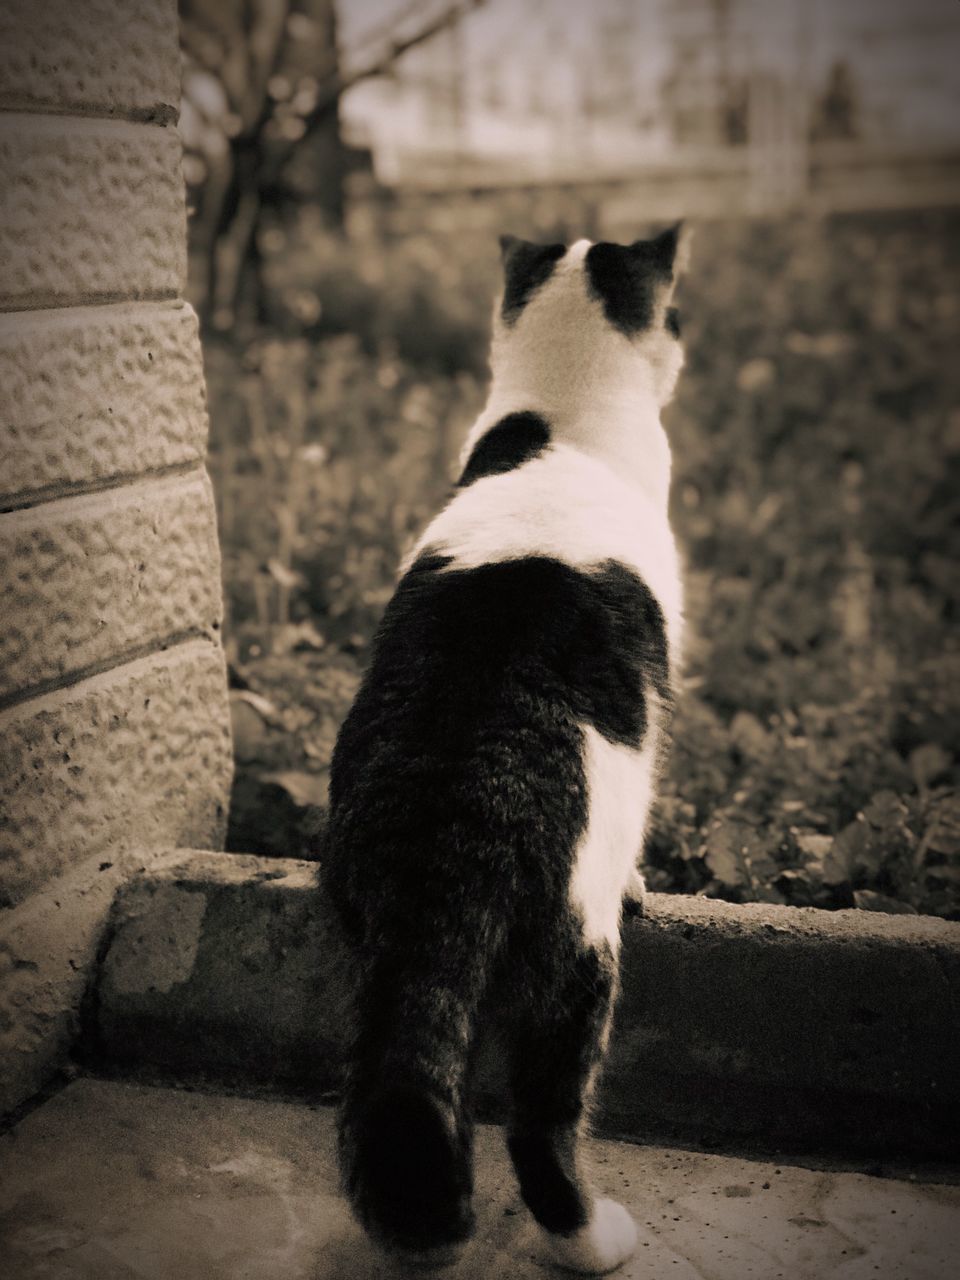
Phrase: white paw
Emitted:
{"points": [[608, 1239]]}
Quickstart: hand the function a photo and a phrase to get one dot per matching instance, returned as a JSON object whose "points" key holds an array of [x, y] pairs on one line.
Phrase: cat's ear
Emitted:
{"points": [[526, 266], [507, 243], [635, 282], [669, 251]]}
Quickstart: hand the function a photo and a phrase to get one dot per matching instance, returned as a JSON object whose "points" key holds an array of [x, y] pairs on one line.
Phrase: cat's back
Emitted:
{"points": [[567, 506], [485, 677]]}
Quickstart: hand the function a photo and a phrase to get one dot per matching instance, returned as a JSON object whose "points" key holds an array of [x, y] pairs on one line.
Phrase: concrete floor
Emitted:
{"points": [[112, 1181]]}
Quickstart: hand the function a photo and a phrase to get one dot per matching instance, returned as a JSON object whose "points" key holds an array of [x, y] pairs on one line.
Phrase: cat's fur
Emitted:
{"points": [[490, 786]]}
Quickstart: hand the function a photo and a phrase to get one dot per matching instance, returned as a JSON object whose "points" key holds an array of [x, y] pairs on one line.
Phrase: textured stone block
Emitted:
{"points": [[95, 393], [136, 756], [94, 397], [94, 56], [93, 210], [87, 580]]}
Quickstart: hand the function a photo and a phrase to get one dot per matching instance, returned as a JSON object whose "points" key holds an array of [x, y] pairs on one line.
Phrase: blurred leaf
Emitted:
{"points": [[852, 851], [943, 833], [737, 854], [756, 374], [823, 345], [248, 728], [868, 900], [304, 789], [929, 763], [287, 577], [769, 893], [263, 706], [813, 845], [749, 735], [885, 811], [724, 856], [944, 874], [297, 637]]}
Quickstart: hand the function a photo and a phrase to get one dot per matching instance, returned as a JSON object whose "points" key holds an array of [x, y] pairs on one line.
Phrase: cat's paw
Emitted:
{"points": [[608, 1239]]}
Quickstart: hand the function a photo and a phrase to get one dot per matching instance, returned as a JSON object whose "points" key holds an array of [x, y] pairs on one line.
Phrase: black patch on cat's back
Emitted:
{"points": [[624, 279], [588, 643], [672, 322], [458, 777], [514, 440], [526, 267]]}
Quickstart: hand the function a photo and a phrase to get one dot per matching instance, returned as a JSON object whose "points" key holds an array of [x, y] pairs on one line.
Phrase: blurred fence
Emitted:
{"points": [[438, 193]]}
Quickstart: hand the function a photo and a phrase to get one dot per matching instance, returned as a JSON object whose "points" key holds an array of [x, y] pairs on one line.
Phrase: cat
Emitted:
{"points": [[491, 783]]}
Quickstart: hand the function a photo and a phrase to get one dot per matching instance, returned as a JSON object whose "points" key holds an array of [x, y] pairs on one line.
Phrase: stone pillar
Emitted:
{"points": [[114, 732]]}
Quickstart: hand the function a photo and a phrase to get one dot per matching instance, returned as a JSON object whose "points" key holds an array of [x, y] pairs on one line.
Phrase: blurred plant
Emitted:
{"points": [[409, 300], [326, 464], [816, 438], [260, 121]]}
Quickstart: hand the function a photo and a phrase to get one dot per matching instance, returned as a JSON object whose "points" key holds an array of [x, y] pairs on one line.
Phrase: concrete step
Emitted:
{"points": [[791, 1028], [110, 1181]]}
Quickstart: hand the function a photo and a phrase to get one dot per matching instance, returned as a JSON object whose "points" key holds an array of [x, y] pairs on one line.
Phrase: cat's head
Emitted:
{"points": [[593, 306]]}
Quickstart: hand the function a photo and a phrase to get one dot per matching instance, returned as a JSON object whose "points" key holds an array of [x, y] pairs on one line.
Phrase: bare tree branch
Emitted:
{"points": [[335, 86]]}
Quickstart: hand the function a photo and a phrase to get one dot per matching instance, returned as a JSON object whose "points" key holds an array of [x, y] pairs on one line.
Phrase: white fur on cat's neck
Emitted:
{"points": [[600, 491], [600, 391]]}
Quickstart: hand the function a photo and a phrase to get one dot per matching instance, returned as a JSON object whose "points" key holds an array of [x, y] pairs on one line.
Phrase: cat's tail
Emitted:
{"points": [[405, 1132]]}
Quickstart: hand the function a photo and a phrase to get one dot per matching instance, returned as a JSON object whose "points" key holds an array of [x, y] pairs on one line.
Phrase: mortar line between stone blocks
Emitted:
{"points": [[80, 681], [13, 320], [159, 113], [127, 482], [55, 122], [14, 306]]}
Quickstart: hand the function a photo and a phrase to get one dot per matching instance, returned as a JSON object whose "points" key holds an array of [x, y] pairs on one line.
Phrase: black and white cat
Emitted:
{"points": [[491, 784]]}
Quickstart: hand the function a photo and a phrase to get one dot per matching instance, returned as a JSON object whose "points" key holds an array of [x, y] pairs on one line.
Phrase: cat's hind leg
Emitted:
{"points": [[554, 1057]]}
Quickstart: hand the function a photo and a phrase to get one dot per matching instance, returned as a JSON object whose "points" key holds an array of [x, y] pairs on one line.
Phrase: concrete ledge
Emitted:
{"points": [[832, 1029], [88, 580], [48, 947], [138, 756], [797, 1027], [97, 394], [215, 967]]}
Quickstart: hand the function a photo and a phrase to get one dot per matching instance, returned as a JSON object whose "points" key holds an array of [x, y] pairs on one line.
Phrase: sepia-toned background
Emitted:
{"points": [[184, 627], [349, 169]]}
